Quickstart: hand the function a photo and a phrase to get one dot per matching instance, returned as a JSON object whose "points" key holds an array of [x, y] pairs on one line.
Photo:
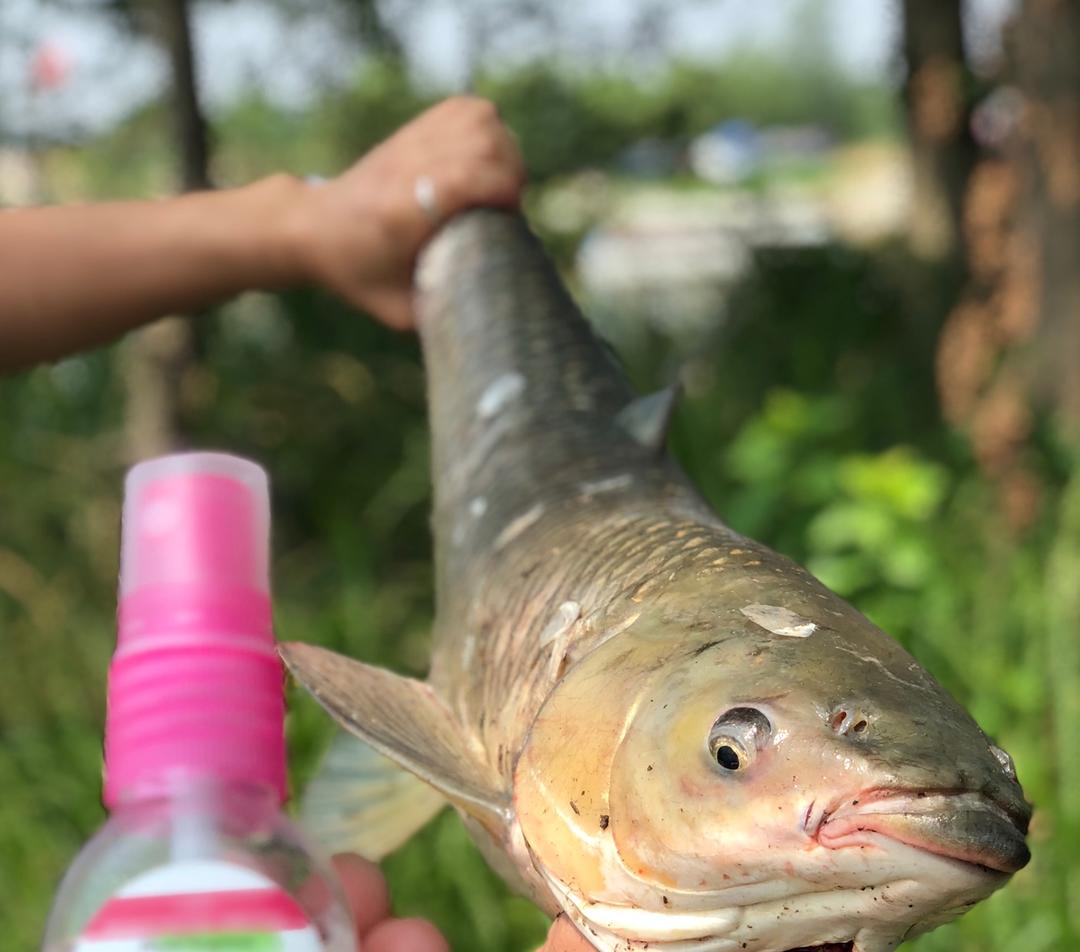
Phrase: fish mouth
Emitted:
{"points": [[827, 947], [959, 825]]}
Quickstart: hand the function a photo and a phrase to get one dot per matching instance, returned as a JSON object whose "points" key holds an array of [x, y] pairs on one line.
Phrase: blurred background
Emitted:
{"points": [[850, 227]]}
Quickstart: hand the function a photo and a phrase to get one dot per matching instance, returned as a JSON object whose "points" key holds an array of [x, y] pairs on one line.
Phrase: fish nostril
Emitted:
{"points": [[844, 721]]}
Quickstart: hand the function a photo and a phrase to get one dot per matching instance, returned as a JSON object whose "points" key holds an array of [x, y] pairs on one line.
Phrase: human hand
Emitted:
{"points": [[360, 233], [369, 899]]}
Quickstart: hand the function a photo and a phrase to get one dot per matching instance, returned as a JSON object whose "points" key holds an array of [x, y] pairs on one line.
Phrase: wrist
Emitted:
{"points": [[276, 213]]}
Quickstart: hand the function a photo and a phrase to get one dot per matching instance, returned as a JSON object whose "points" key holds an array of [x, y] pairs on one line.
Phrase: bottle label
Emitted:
{"points": [[204, 906]]}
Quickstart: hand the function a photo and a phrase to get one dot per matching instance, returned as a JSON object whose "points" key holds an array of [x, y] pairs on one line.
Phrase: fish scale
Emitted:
{"points": [[674, 735], [640, 553]]}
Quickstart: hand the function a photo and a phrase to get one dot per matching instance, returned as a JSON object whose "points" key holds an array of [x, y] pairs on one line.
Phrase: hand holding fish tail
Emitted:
{"points": [[64, 289], [359, 234]]}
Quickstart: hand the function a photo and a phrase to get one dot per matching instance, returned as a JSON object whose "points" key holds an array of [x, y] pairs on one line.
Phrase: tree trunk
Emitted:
{"points": [[373, 32], [938, 105], [1013, 341], [1046, 58], [192, 139], [163, 356]]}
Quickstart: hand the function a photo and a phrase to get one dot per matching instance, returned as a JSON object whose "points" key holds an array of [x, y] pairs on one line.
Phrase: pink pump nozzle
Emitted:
{"points": [[195, 686]]}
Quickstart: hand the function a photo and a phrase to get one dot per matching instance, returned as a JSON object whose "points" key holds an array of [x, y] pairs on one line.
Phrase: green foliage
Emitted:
{"points": [[559, 129], [382, 98], [567, 122], [865, 517], [767, 89]]}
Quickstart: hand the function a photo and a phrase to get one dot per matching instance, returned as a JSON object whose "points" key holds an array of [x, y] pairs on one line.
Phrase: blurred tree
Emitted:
{"points": [[650, 31], [1046, 60], [937, 97], [488, 25], [371, 27], [557, 126], [161, 362], [1010, 347], [191, 132], [160, 357]]}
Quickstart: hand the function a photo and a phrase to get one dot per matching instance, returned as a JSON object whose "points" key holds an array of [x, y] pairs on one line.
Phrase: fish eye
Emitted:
{"points": [[737, 736], [729, 756]]}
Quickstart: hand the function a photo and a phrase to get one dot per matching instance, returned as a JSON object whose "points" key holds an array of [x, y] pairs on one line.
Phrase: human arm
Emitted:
{"points": [[78, 276]]}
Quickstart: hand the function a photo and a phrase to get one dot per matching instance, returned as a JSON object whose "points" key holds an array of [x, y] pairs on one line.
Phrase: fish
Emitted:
{"points": [[670, 733]]}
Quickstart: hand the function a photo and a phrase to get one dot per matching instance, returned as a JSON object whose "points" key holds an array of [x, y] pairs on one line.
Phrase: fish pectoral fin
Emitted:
{"points": [[405, 720], [364, 802], [648, 418]]}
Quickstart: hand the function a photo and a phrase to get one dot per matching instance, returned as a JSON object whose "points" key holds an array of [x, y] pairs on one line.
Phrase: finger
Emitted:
{"points": [[405, 935], [503, 153], [494, 142], [488, 183], [465, 106], [470, 138], [365, 891], [564, 937], [393, 308]]}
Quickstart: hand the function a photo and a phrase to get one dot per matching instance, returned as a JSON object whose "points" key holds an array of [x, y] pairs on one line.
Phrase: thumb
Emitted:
{"points": [[564, 937]]}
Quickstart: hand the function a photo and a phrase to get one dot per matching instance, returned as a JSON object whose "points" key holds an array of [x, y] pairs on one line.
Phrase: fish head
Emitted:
{"points": [[781, 775]]}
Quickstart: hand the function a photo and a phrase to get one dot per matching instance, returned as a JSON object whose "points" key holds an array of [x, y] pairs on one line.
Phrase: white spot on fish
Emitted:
{"points": [[517, 526], [467, 650], [498, 394], [463, 468], [779, 621], [457, 536], [610, 484], [477, 507], [557, 634], [1005, 760], [878, 663], [439, 260], [622, 626], [565, 616]]}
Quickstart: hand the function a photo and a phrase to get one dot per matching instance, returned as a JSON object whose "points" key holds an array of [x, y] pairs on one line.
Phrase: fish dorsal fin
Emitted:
{"points": [[405, 720], [648, 418], [364, 802]]}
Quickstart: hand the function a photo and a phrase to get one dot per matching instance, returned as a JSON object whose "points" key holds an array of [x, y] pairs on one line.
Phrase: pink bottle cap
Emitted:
{"points": [[195, 686]]}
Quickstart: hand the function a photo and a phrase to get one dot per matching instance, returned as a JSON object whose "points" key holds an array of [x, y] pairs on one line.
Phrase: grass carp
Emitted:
{"points": [[668, 731]]}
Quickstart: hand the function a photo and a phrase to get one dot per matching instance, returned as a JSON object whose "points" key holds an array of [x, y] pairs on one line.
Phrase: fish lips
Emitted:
{"points": [[964, 826]]}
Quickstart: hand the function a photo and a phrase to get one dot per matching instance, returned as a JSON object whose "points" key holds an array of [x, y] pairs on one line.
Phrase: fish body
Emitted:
{"points": [[668, 731]]}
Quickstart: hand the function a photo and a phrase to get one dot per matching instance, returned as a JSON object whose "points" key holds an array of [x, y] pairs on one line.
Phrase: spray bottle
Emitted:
{"points": [[197, 855]]}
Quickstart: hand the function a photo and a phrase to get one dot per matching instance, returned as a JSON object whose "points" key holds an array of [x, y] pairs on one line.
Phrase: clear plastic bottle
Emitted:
{"points": [[197, 853]]}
